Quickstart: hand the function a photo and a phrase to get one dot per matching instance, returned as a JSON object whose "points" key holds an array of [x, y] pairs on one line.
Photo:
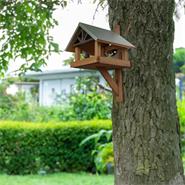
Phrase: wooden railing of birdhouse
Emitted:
{"points": [[97, 50]]}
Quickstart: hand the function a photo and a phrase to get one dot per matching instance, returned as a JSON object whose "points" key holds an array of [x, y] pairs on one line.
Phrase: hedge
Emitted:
{"points": [[28, 148]]}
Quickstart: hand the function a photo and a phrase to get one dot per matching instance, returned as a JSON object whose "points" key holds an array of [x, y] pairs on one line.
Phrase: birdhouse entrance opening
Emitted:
{"points": [[95, 54]]}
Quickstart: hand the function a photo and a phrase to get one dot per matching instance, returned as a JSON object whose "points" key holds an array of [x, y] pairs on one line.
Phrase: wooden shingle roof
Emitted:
{"points": [[99, 34]]}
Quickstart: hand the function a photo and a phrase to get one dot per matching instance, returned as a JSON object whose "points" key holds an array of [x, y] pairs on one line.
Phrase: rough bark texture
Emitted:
{"points": [[145, 127]]}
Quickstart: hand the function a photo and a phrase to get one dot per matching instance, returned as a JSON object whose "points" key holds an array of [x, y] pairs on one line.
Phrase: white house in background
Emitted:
{"points": [[56, 82]]}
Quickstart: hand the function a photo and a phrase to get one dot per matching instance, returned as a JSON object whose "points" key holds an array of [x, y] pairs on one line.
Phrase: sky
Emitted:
{"points": [[74, 13]]}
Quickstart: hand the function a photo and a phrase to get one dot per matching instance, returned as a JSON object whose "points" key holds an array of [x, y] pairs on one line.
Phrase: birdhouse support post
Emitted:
{"points": [[124, 55], [97, 50], [119, 81], [77, 53]]}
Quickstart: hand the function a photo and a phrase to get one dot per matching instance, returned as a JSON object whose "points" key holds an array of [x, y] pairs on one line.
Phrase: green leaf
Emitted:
{"points": [[55, 46]]}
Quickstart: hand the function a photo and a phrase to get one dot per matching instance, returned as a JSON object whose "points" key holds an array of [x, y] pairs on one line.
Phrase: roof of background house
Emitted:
{"points": [[99, 34], [26, 83], [65, 72]]}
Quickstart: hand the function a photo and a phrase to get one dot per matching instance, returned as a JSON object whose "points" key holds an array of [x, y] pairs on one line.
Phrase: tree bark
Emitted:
{"points": [[145, 127]]}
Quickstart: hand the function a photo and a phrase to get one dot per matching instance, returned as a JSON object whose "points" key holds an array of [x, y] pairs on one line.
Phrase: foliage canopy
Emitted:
{"points": [[24, 32], [179, 59]]}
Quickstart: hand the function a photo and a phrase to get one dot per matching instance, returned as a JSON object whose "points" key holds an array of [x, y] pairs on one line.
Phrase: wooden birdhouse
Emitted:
{"points": [[103, 50]]}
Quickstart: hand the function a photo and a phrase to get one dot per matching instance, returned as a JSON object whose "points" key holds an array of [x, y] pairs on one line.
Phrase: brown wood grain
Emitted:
{"points": [[109, 80], [77, 53]]}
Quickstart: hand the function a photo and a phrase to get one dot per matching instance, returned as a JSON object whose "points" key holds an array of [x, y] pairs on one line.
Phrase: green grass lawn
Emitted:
{"points": [[58, 179]]}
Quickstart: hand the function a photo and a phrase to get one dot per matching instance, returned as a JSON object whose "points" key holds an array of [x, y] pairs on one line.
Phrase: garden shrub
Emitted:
{"points": [[86, 102], [90, 106], [103, 150], [181, 112], [105, 158], [51, 147], [83, 109]]}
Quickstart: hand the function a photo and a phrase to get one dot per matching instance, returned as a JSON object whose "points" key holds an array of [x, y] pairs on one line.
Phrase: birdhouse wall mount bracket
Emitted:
{"points": [[102, 50], [115, 83]]}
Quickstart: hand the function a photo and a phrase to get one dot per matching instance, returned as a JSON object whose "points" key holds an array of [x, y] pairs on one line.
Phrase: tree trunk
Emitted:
{"points": [[145, 127]]}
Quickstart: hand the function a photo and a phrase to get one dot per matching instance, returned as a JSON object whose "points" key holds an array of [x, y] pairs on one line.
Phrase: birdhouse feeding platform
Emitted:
{"points": [[103, 50]]}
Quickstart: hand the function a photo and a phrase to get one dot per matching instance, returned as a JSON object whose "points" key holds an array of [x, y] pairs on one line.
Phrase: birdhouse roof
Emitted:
{"points": [[99, 34]]}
